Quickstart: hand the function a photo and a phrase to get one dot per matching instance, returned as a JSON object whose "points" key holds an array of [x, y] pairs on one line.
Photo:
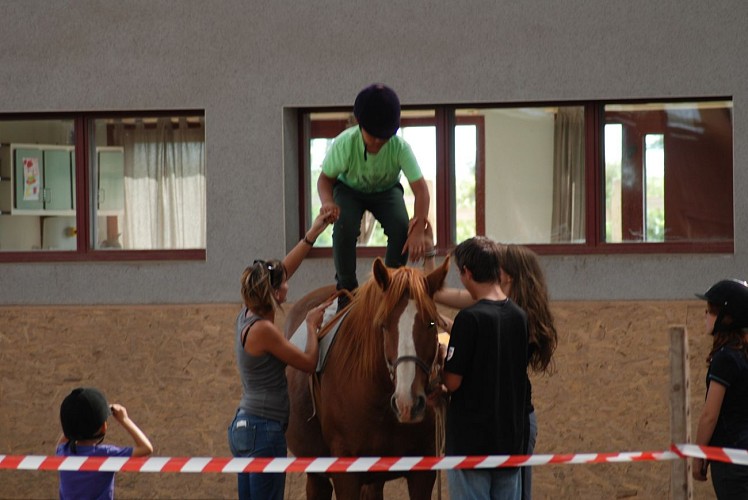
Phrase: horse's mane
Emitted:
{"points": [[359, 343]]}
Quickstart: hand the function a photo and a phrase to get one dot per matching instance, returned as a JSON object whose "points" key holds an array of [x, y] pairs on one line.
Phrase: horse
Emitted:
{"points": [[370, 399]]}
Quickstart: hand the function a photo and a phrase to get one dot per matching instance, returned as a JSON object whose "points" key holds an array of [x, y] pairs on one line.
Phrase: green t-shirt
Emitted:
{"points": [[379, 172]]}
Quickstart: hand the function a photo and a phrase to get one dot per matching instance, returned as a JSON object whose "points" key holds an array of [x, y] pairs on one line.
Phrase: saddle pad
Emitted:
{"points": [[299, 336]]}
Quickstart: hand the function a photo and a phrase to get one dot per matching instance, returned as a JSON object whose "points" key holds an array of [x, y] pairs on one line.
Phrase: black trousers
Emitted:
{"points": [[388, 207]]}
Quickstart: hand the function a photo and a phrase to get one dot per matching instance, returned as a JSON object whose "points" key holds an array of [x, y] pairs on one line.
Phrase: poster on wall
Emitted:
{"points": [[31, 179]]}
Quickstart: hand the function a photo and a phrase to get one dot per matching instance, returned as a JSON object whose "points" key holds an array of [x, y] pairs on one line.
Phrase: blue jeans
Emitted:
{"points": [[480, 484], [252, 436], [527, 471]]}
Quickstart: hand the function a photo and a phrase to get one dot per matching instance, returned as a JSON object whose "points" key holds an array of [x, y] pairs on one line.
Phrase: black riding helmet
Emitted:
{"points": [[82, 414], [377, 109], [731, 296]]}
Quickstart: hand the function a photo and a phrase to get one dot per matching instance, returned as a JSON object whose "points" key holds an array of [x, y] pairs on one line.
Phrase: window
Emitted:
{"points": [[417, 127], [669, 172], [584, 177], [93, 186]]}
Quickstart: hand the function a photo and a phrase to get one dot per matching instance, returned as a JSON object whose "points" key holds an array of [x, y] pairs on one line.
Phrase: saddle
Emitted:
{"points": [[326, 340]]}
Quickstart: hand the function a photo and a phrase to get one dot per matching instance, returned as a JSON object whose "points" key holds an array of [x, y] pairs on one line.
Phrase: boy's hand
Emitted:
{"points": [[330, 211], [415, 245], [437, 396], [318, 225], [119, 412], [698, 469]]}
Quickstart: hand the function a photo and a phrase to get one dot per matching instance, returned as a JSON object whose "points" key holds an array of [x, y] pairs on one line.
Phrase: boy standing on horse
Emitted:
{"points": [[362, 172], [485, 373]]}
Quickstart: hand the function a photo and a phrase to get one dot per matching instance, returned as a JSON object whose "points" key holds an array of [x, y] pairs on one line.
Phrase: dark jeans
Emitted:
{"points": [[730, 481], [388, 207], [252, 436]]}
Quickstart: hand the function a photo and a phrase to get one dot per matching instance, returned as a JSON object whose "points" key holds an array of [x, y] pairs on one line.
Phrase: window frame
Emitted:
{"points": [[85, 199], [595, 244]]}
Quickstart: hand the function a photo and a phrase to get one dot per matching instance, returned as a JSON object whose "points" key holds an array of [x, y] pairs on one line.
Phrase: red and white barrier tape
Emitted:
{"points": [[729, 455], [352, 464], [321, 464]]}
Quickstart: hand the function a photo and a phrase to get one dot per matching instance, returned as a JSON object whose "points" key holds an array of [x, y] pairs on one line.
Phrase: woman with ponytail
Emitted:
{"points": [[262, 353]]}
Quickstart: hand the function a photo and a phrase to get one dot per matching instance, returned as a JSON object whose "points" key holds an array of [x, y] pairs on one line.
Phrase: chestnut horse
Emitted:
{"points": [[370, 399]]}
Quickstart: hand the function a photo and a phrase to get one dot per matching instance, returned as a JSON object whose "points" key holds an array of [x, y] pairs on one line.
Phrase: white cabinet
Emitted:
{"points": [[37, 179], [110, 162]]}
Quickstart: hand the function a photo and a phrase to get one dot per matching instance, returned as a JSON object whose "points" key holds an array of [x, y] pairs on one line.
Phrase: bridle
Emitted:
{"points": [[429, 369], [415, 359]]}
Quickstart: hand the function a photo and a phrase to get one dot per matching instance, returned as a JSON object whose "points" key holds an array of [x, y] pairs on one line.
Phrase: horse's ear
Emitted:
{"points": [[435, 279], [381, 274]]}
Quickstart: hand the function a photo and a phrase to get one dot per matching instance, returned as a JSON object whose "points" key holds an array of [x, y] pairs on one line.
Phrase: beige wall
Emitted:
{"points": [[173, 368]]}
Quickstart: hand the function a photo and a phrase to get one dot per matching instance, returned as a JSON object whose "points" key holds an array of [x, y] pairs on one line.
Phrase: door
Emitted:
{"points": [[58, 180]]}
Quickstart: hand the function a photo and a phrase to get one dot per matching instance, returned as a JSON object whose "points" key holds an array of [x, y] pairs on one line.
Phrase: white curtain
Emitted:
{"points": [[567, 224], [164, 185]]}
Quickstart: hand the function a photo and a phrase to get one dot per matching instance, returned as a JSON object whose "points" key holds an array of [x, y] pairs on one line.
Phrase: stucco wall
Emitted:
{"points": [[249, 63]]}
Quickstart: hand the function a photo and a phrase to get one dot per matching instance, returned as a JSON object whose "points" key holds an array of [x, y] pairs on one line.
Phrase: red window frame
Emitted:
{"points": [[85, 251], [444, 119]]}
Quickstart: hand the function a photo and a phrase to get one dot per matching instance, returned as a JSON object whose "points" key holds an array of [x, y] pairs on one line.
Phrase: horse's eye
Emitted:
{"points": [[432, 324]]}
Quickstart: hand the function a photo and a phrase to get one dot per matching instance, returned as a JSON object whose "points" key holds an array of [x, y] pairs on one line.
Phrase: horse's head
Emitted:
{"points": [[407, 317]]}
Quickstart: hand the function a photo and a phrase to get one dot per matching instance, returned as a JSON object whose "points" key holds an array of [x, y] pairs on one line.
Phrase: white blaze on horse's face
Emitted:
{"points": [[408, 401]]}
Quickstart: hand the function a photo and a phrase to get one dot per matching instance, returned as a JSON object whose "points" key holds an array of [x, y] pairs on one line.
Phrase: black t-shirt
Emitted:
{"points": [[488, 348], [729, 367]]}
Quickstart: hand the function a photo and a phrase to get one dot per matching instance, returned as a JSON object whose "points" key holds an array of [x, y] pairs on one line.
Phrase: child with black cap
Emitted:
{"points": [[361, 172], [83, 414]]}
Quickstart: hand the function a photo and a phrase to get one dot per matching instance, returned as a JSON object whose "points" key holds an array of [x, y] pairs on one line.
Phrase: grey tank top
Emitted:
{"points": [[264, 386]]}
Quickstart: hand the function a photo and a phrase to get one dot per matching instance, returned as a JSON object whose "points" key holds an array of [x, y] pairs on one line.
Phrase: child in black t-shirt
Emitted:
{"points": [[485, 372]]}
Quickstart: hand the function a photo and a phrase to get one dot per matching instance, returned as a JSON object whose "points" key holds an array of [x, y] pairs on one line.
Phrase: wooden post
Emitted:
{"points": [[681, 483]]}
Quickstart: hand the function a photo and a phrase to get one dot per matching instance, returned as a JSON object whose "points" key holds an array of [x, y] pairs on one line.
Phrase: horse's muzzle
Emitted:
{"points": [[409, 414]]}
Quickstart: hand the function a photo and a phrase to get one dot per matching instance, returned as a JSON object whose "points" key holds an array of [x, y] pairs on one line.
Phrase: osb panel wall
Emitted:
{"points": [[173, 368]]}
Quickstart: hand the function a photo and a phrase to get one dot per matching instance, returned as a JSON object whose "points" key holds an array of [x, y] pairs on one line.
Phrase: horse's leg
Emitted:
{"points": [[318, 487], [347, 486], [420, 484], [373, 491]]}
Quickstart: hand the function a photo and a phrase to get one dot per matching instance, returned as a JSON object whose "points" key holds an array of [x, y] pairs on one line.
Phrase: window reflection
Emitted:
{"points": [[534, 177], [668, 172]]}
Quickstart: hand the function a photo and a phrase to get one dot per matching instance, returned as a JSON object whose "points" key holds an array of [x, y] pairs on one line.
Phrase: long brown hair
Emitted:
{"points": [[530, 292], [259, 282]]}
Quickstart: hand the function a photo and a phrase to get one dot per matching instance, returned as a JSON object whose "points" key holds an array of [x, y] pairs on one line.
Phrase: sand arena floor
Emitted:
{"points": [[173, 368]]}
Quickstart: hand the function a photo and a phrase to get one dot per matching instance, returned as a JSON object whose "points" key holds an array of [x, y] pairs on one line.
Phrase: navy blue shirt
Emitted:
{"points": [[729, 367]]}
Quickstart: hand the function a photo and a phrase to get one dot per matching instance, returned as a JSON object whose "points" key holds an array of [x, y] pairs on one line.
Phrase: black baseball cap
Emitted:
{"points": [[83, 412]]}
